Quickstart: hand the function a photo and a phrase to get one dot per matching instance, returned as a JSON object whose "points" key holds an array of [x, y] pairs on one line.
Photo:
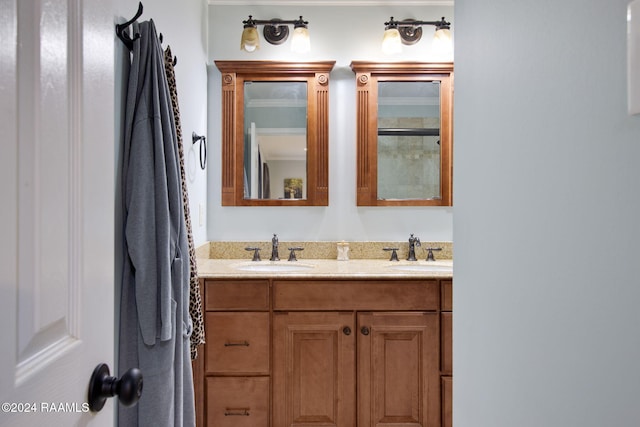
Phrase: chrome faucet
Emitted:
{"points": [[413, 242], [274, 248]]}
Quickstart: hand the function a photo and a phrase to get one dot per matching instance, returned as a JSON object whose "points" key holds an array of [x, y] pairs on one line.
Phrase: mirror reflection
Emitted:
{"points": [[404, 133], [275, 140], [409, 140]]}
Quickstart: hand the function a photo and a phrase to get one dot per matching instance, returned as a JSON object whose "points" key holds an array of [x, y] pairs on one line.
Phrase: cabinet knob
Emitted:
{"points": [[346, 330], [364, 330]]}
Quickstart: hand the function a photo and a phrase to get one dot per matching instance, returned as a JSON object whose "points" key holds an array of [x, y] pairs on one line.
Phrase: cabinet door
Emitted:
{"points": [[314, 369], [398, 369]]}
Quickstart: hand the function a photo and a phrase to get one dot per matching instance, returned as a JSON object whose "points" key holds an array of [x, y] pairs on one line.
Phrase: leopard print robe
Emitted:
{"points": [[195, 297]]}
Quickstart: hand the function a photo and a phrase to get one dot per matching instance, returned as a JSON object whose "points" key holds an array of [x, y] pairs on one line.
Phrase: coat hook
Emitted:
{"points": [[175, 58], [120, 29], [203, 148]]}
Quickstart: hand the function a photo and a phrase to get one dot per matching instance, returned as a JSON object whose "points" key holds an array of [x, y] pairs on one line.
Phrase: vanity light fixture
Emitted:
{"points": [[409, 31], [275, 31]]}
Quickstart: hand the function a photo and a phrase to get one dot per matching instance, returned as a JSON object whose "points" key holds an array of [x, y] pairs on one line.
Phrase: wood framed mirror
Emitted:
{"points": [[275, 133], [404, 133]]}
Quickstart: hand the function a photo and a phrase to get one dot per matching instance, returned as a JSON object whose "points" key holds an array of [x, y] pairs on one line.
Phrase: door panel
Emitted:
{"points": [[313, 369], [46, 165], [398, 369], [57, 292]]}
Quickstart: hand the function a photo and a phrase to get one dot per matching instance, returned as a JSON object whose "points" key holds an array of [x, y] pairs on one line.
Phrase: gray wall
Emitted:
{"points": [[343, 34], [546, 229], [184, 28]]}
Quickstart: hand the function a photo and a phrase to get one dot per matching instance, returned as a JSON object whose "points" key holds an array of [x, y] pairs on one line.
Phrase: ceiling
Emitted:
{"points": [[283, 147], [333, 2]]}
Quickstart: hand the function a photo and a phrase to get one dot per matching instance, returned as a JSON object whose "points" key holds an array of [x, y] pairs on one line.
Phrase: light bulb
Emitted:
{"points": [[250, 40], [442, 43], [300, 42], [391, 42]]}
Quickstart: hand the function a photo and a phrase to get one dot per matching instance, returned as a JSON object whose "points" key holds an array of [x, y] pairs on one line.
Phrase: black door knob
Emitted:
{"points": [[364, 330], [346, 330], [102, 386]]}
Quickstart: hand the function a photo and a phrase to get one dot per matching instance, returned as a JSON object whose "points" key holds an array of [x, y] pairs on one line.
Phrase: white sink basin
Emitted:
{"points": [[281, 267], [426, 268]]}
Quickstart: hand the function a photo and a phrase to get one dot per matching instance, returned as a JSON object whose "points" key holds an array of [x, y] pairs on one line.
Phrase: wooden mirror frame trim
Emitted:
{"points": [[316, 74], [367, 74]]}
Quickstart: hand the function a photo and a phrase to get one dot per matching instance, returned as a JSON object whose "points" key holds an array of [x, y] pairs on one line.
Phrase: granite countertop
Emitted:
{"points": [[325, 268]]}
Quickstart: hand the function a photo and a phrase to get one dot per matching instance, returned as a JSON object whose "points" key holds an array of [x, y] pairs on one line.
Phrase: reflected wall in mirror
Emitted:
{"points": [[404, 126], [275, 140], [275, 133]]}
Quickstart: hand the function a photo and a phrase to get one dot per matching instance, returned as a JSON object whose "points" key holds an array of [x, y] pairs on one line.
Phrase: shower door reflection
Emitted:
{"points": [[409, 140]]}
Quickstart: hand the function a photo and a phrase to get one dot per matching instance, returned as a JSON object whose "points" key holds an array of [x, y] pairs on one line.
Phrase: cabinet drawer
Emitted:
{"points": [[237, 343], [402, 295], [237, 295], [238, 401]]}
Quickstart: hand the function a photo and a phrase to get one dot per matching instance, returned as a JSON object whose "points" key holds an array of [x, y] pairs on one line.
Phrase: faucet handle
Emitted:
{"points": [[292, 254], [394, 254], [256, 253], [430, 256]]}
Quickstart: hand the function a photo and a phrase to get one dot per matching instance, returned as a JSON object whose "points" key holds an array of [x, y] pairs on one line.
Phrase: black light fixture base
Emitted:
{"points": [[410, 34], [274, 33]]}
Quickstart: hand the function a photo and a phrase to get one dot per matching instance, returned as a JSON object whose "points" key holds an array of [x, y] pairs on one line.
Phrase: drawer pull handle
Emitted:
{"points": [[236, 412], [346, 330], [244, 343], [364, 330]]}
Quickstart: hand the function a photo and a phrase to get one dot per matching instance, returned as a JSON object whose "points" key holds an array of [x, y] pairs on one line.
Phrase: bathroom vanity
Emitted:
{"points": [[356, 343]]}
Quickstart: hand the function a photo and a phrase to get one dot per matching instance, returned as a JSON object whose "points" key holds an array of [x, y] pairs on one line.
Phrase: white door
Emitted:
{"points": [[56, 209]]}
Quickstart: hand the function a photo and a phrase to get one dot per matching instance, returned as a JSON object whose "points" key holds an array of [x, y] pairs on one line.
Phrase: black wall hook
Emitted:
{"points": [[120, 29], [203, 148], [175, 58]]}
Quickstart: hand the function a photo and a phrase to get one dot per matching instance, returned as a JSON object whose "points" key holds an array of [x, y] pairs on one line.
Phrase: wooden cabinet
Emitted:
{"points": [[313, 369], [388, 117], [236, 75], [398, 372], [338, 353], [236, 355], [446, 351]]}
